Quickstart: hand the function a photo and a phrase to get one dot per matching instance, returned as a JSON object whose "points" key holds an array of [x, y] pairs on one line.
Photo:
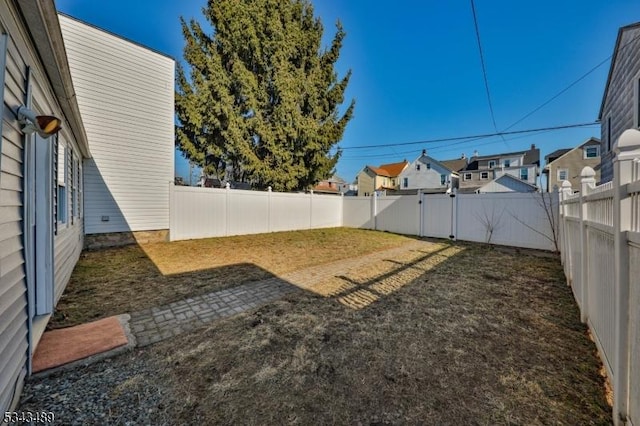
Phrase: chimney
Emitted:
{"points": [[424, 152], [463, 157], [533, 146], [475, 153]]}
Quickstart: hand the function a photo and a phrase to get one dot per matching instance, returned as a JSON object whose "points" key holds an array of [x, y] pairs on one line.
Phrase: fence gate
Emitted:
{"points": [[438, 215]]}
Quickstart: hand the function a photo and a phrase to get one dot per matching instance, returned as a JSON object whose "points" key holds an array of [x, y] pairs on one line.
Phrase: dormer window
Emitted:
{"points": [[592, 151], [492, 164]]}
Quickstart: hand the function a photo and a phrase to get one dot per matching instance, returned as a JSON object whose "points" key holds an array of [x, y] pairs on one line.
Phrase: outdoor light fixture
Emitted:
{"points": [[44, 125]]}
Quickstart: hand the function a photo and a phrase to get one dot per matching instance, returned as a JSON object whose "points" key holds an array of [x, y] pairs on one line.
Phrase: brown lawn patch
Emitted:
{"points": [[457, 334], [126, 279], [475, 336]]}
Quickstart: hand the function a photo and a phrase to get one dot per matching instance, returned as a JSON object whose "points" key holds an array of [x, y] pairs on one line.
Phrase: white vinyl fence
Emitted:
{"points": [[512, 219], [600, 246], [211, 212]]}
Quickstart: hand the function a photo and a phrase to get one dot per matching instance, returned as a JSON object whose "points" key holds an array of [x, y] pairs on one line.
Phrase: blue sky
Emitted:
{"points": [[416, 69]]}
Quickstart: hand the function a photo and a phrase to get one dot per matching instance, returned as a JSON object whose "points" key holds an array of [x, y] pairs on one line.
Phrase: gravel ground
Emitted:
{"points": [[124, 390]]}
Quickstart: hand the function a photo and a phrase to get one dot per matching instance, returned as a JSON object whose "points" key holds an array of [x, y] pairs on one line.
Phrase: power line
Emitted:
{"points": [[467, 138], [484, 70], [582, 77]]}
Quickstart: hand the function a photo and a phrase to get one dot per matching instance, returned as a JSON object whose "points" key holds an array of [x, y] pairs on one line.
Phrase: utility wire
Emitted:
{"points": [[582, 77], [468, 138], [484, 71]]}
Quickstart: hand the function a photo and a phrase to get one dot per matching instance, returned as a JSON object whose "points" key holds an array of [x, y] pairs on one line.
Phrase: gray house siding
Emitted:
{"points": [[619, 106], [13, 286], [38, 71]]}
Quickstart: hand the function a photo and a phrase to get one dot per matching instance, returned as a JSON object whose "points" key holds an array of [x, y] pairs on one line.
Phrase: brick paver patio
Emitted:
{"points": [[159, 323]]}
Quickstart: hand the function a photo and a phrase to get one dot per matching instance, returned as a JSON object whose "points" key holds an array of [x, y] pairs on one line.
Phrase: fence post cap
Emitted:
{"points": [[269, 188], [227, 185], [586, 173], [628, 140]]}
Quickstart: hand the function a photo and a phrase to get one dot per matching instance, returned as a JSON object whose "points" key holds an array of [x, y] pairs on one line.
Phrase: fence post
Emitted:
{"points": [[227, 188], [269, 208], [311, 209], [562, 214], [587, 182], [627, 150]]}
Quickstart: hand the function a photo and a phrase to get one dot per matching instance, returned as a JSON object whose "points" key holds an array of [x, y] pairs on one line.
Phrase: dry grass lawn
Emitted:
{"points": [[126, 279], [449, 334], [466, 334]]}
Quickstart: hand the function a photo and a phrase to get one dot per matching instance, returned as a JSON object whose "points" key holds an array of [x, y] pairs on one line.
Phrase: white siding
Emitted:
{"points": [[14, 297], [506, 185], [126, 97], [425, 178]]}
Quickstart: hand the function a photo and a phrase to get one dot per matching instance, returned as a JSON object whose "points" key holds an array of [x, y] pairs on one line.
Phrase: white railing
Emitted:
{"points": [[600, 244]]}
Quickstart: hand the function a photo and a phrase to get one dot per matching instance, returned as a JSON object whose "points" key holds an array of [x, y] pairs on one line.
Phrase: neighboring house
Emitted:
{"points": [[429, 174], [566, 164], [522, 165], [620, 108], [380, 179], [507, 183], [41, 189], [125, 92], [334, 185]]}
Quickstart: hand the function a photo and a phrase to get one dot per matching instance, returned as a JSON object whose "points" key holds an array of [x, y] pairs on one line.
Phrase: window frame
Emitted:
{"points": [[524, 174], [405, 182], [468, 176], [561, 170], [586, 149], [62, 183], [506, 162], [491, 164], [484, 175], [443, 179]]}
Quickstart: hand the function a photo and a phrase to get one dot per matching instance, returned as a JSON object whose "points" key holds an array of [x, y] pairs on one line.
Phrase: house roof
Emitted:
{"points": [[389, 170], [42, 21], [590, 141], [455, 165], [616, 49], [531, 156], [513, 179], [557, 154]]}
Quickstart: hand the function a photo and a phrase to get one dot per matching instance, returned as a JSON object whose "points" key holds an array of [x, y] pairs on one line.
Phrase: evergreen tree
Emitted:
{"points": [[261, 94]]}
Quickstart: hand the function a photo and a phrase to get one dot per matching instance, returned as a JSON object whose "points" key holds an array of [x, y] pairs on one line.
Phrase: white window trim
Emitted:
{"points": [[62, 183], [492, 164], [584, 151], [482, 174], [526, 170], [566, 171], [468, 176]]}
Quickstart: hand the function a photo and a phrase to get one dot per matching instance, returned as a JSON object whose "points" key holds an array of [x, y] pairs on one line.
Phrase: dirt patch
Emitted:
{"points": [[126, 279], [468, 335]]}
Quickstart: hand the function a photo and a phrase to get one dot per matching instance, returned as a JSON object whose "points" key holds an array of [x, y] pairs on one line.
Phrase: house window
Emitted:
{"points": [[405, 182], [467, 176], [62, 177], [592, 151], [492, 164], [428, 166], [507, 163], [524, 173], [393, 182], [443, 179], [484, 175], [563, 174], [417, 166]]}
